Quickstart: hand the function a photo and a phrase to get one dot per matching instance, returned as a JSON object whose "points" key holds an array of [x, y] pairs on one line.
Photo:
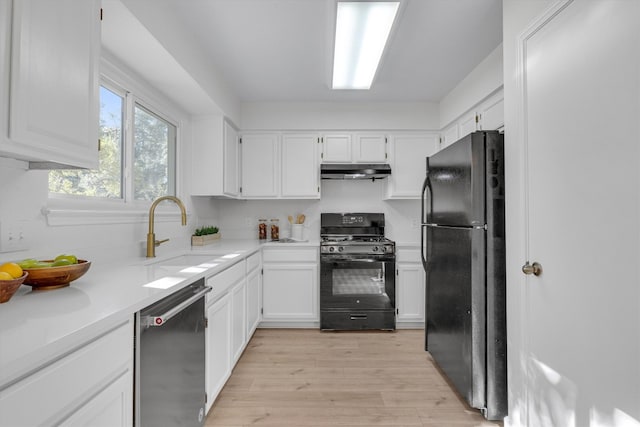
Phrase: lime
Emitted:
{"points": [[71, 258], [60, 262], [27, 263]]}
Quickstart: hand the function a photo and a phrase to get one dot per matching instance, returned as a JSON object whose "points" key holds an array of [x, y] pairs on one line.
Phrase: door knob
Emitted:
{"points": [[535, 269]]}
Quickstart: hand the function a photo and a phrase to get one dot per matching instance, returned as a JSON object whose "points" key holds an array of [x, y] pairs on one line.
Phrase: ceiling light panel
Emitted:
{"points": [[362, 30]]}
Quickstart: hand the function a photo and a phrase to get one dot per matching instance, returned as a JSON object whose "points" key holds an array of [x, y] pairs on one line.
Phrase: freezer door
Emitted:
{"points": [[457, 183], [455, 307]]}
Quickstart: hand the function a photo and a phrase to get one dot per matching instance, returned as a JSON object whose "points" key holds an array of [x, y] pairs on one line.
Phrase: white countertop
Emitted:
{"points": [[37, 326]]}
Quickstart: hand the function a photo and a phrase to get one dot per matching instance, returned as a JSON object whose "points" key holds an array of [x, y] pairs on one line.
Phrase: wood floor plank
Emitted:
{"points": [[309, 378]]}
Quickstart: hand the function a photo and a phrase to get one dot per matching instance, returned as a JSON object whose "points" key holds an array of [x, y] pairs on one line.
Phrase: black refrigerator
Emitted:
{"points": [[463, 253]]}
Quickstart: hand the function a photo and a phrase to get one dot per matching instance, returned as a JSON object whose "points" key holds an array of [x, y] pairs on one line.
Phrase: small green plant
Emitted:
{"points": [[203, 231]]}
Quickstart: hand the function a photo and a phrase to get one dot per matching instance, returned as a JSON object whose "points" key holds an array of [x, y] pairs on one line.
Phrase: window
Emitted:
{"points": [[153, 155], [148, 152]]}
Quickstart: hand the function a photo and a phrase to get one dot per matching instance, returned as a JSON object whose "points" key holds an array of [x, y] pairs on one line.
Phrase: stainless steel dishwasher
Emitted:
{"points": [[170, 360]]}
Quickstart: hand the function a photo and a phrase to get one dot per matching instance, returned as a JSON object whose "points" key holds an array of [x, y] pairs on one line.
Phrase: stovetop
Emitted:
{"points": [[354, 233]]}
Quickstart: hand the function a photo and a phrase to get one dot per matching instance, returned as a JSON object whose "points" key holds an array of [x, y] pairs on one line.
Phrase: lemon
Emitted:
{"points": [[11, 268], [5, 276]]}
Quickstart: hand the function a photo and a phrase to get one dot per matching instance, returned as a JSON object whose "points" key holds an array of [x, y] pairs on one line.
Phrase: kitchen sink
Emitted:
{"points": [[188, 260]]}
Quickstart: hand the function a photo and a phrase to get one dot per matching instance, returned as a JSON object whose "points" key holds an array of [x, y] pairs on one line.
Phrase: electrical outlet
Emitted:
{"points": [[12, 236]]}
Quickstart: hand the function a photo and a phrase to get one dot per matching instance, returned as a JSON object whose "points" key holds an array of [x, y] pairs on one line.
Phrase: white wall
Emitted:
{"points": [[239, 219], [337, 116]]}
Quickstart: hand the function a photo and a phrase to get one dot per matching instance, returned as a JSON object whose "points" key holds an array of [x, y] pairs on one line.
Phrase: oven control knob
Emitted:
{"points": [[331, 249], [375, 249], [341, 248]]}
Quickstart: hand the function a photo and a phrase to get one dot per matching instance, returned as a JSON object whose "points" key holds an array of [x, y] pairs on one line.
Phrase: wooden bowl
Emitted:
{"points": [[56, 277], [9, 287]]}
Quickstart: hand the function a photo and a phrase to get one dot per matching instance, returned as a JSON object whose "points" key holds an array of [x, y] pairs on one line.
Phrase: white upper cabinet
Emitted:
{"points": [[260, 174], [300, 171], [231, 167], [215, 161], [280, 166], [408, 166], [354, 148], [370, 148], [336, 148], [54, 81], [487, 115], [491, 113]]}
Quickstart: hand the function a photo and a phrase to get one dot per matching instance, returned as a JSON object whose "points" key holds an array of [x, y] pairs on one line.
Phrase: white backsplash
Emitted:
{"points": [[239, 218]]}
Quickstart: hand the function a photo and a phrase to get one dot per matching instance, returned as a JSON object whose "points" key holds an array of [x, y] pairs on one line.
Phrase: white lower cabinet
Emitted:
{"points": [[107, 409], [92, 385], [233, 313], [290, 285], [238, 319], [410, 287], [254, 293], [218, 347]]}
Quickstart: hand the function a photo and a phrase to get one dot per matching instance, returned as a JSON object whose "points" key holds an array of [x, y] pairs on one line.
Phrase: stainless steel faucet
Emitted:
{"points": [[151, 237]]}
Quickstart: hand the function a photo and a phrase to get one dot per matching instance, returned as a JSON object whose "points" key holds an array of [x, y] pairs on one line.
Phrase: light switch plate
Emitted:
{"points": [[13, 237]]}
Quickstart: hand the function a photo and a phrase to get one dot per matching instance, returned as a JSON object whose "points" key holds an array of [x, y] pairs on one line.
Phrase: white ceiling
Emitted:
{"points": [[280, 50]]}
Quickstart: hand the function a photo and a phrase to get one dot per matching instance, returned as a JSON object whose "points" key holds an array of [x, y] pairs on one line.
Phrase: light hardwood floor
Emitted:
{"points": [[304, 377]]}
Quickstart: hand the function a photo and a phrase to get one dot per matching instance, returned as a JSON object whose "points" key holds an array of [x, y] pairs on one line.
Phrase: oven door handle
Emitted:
{"points": [[332, 258]]}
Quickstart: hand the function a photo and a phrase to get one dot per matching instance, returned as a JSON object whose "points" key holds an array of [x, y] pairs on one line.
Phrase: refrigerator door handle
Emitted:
{"points": [[423, 249]]}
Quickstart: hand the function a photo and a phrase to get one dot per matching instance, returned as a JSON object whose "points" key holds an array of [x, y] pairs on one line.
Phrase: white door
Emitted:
{"points": [[580, 134]]}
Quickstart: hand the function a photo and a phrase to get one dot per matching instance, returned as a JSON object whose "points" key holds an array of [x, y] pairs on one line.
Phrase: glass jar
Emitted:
{"points": [[275, 229], [262, 229]]}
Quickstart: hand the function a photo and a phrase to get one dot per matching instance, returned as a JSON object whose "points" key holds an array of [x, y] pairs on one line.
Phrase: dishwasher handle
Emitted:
{"points": [[161, 319]]}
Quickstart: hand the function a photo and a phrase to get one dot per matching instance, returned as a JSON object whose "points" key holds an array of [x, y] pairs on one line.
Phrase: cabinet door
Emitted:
{"points": [[370, 148], [491, 113], [408, 164], [112, 407], [260, 166], [336, 148], [254, 300], [467, 124], [290, 292], [300, 171], [449, 135], [54, 102], [231, 166], [410, 292], [218, 347], [238, 320]]}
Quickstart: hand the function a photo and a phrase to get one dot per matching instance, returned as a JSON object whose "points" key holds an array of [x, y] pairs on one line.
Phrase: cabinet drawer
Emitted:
{"points": [[222, 281], [57, 390], [253, 262], [297, 254]]}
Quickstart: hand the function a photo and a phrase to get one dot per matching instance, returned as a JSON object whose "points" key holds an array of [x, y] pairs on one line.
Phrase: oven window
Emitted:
{"points": [[358, 281]]}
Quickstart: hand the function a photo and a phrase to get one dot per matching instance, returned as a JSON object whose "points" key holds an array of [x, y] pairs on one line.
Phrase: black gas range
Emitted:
{"points": [[357, 272]]}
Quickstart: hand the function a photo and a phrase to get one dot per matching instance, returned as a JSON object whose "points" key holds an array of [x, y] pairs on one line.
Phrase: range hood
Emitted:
{"points": [[355, 171]]}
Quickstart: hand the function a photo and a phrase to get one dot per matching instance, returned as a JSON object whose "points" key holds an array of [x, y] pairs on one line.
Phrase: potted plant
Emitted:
{"points": [[204, 236]]}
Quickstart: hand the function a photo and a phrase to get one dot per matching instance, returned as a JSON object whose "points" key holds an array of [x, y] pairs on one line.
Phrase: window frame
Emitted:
{"points": [[68, 209]]}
